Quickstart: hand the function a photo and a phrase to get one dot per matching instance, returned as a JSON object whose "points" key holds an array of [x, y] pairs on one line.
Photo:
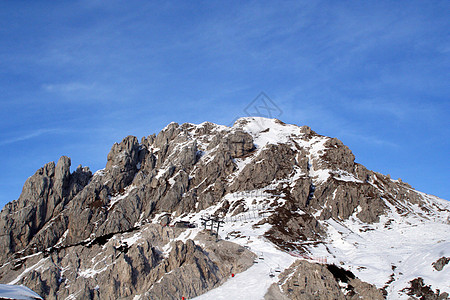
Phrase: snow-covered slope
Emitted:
{"points": [[392, 252], [17, 292], [389, 253]]}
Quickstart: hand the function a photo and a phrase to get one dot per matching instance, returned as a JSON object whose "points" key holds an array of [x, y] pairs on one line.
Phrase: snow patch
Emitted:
{"points": [[133, 239], [18, 292], [36, 266], [114, 200]]}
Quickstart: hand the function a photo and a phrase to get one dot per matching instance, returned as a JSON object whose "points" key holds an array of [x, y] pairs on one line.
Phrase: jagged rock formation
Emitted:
{"points": [[303, 179], [43, 198], [151, 262], [305, 280]]}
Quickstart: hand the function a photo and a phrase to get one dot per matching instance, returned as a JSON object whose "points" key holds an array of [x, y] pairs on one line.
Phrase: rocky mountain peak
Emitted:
{"points": [[297, 183], [44, 196]]}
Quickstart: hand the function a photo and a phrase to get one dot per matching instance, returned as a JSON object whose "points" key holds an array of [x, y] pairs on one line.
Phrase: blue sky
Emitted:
{"points": [[77, 76]]}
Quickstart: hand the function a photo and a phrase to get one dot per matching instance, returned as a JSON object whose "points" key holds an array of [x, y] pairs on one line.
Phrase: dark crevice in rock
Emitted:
{"points": [[312, 188], [340, 274], [100, 240]]}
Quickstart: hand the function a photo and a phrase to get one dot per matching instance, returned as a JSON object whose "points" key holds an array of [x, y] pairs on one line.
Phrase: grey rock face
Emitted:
{"points": [[290, 225], [441, 263], [44, 196], [122, 163], [194, 273], [344, 198], [305, 280], [338, 156], [237, 143], [116, 269], [275, 162], [91, 215]]}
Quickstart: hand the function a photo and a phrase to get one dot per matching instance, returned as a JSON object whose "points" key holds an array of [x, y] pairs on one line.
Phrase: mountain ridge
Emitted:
{"points": [[303, 180]]}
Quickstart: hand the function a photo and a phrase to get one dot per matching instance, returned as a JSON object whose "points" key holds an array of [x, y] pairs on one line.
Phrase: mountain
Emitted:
{"points": [[299, 219]]}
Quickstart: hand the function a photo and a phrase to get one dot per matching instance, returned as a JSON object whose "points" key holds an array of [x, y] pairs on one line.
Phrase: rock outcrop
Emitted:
{"points": [[120, 268], [44, 196], [422, 291], [306, 280], [441, 263]]}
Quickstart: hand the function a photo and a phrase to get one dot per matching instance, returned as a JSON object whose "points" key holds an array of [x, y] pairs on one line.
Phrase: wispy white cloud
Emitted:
{"points": [[69, 87], [80, 91], [405, 110], [378, 106], [29, 135], [368, 139]]}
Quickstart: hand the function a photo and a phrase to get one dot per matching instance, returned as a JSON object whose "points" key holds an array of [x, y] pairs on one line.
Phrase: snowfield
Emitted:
{"points": [[388, 254]]}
